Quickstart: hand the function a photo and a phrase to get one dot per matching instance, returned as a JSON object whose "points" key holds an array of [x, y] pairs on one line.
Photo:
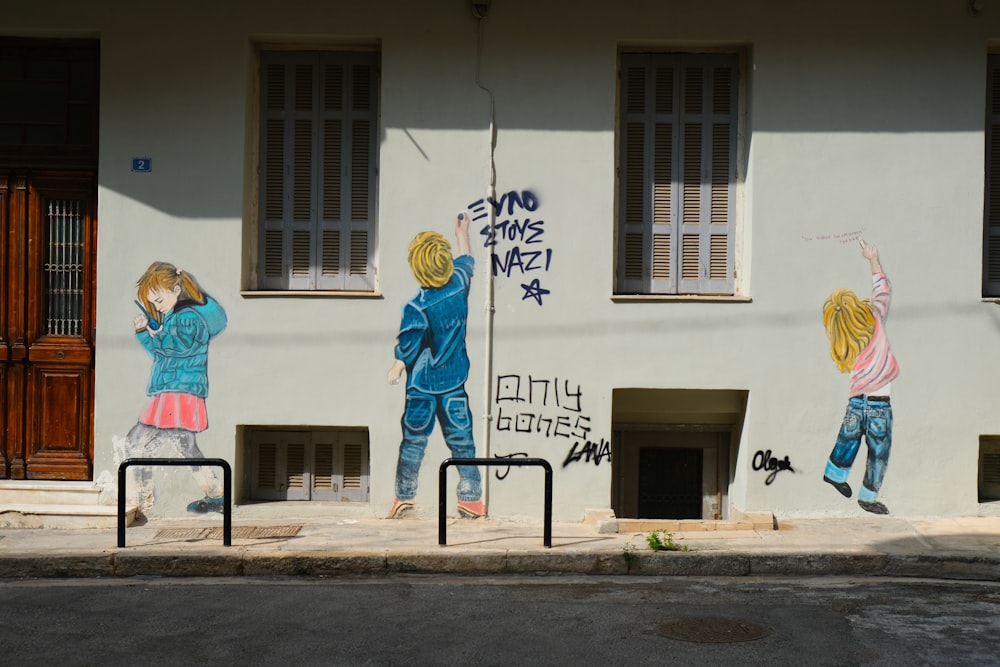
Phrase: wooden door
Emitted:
{"points": [[48, 231]]}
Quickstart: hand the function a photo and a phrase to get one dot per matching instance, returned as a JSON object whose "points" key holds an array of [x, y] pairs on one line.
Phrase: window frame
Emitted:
{"points": [[991, 178], [639, 272], [315, 266]]}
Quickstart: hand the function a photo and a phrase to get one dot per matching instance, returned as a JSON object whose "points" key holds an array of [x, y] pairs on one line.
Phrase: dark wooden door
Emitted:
{"points": [[47, 317], [48, 231]]}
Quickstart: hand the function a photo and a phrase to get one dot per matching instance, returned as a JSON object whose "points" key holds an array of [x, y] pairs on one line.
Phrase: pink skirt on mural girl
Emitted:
{"points": [[176, 410]]}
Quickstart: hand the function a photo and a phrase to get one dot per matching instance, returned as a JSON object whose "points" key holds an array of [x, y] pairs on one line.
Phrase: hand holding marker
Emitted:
{"points": [[150, 322]]}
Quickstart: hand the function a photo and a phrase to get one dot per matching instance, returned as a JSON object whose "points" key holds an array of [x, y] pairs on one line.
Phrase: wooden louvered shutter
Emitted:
{"points": [[310, 464], [991, 207], [279, 465], [340, 469], [677, 170], [318, 171]]}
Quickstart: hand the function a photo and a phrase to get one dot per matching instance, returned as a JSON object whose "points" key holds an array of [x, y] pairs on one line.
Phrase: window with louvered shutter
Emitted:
{"points": [[318, 171], [677, 174], [989, 468], [319, 463], [991, 207]]}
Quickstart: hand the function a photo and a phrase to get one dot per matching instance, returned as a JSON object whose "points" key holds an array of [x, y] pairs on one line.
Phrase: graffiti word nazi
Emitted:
{"points": [[764, 461], [523, 237]]}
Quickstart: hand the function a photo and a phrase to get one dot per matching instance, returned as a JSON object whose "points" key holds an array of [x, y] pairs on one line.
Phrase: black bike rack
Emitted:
{"points": [[227, 491], [443, 480]]}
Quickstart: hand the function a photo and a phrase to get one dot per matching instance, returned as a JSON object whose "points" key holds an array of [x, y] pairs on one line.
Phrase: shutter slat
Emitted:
{"points": [[359, 253], [296, 462], [331, 253], [722, 90], [360, 163], [303, 87], [691, 213], [635, 144], [353, 466], [664, 90], [333, 87], [690, 256], [274, 156], [719, 196], [362, 90], [267, 457], [633, 256], [301, 253], [275, 87], [661, 257], [635, 101], [332, 170], [694, 90], [718, 263], [273, 253], [323, 467], [663, 148], [302, 179]]}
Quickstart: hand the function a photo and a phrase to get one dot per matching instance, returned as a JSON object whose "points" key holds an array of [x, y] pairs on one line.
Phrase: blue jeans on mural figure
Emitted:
{"points": [[871, 418], [452, 410]]}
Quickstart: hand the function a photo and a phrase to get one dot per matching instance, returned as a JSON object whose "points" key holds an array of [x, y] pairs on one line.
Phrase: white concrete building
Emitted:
{"points": [[677, 188]]}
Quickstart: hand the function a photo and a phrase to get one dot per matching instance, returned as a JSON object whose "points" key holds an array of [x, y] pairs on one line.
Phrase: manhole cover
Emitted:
{"points": [[712, 630], [239, 532]]}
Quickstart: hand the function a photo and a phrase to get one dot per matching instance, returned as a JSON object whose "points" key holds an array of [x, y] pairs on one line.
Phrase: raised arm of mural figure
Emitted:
{"points": [[395, 372], [139, 322], [462, 234], [870, 253]]}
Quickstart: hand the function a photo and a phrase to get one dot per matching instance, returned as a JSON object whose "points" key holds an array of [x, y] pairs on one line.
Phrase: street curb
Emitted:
{"points": [[235, 562]]}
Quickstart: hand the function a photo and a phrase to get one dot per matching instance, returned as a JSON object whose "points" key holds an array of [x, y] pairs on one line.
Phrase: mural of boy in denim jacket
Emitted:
{"points": [[431, 349]]}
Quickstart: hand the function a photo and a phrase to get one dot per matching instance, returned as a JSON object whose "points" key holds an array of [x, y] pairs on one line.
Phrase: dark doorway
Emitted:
{"points": [[670, 483]]}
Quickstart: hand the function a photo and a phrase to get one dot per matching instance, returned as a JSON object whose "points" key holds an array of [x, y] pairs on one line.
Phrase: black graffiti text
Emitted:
{"points": [[521, 260], [506, 470], [764, 461], [590, 452]]}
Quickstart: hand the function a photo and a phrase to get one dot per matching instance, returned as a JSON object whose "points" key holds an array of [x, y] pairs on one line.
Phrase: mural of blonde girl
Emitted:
{"points": [[859, 346], [177, 322]]}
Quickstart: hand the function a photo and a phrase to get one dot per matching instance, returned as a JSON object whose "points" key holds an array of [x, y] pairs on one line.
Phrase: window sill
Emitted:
{"points": [[658, 298], [309, 294]]}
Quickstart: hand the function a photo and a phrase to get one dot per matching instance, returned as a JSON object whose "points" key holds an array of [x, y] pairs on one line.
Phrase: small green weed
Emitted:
{"points": [[628, 553], [661, 540]]}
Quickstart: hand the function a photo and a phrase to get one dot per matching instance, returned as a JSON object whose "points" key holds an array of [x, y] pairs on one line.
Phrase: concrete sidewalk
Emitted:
{"points": [[340, 544]]}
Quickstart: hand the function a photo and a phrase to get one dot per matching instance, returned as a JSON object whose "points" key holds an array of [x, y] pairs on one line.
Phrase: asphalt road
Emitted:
{"points": [[430, 620]]}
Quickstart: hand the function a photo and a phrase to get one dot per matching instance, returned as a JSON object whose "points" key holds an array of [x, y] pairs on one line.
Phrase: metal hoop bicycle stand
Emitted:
{"points": [[443, 480], [227, 491]]}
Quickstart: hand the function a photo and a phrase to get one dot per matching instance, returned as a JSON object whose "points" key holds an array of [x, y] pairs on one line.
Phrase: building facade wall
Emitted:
{"points": [[855, 121]]}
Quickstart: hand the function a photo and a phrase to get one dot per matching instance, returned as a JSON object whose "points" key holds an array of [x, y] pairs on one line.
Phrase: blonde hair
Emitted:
{"points": [[166, 276], [850, 325], [430, 259]]}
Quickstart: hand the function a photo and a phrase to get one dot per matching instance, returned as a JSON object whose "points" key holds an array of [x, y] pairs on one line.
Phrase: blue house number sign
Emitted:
{"points": [[142, 164]]}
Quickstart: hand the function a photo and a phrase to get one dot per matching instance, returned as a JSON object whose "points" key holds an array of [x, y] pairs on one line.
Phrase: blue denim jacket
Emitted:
{"points": [[180, 348], [432, 333]]}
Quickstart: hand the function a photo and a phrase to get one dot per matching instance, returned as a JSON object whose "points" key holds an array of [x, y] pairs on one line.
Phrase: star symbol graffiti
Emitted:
{"points": [[534, 291]]}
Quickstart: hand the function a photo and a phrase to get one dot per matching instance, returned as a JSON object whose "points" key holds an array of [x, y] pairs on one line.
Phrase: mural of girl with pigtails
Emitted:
{"points": [[859, 346], [177, 322]]}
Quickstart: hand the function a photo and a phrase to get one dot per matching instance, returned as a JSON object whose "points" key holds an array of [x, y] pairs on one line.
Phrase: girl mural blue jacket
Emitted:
{"points": [[180, 348]]}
